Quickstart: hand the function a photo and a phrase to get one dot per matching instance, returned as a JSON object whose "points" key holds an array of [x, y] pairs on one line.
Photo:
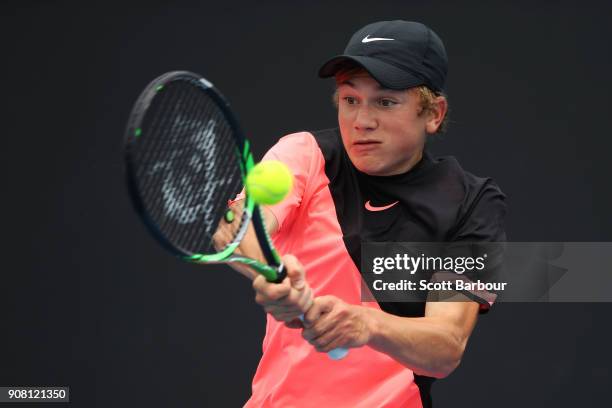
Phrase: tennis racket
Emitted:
{"points": [[186, 158]]}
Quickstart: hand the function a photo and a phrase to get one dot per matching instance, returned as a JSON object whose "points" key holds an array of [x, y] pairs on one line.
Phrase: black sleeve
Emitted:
{"points": [[482, 216], [481, 232]]}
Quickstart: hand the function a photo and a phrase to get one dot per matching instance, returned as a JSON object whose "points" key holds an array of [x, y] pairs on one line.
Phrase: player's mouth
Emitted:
{"points": [[365, 145]]}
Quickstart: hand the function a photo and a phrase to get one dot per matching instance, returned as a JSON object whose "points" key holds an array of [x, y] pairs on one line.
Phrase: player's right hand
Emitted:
{"points": [[288, 300]]}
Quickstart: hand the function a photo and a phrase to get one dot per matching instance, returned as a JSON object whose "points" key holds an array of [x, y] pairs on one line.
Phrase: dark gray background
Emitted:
{"points": [[90, 301]]}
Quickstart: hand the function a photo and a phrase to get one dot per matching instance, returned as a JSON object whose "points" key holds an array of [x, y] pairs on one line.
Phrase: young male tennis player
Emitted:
{"points": [[369, 180]]}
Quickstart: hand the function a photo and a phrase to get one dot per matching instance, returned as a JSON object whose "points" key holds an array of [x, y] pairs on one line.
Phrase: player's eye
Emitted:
{"points": [[384, 102], [351, 100]]}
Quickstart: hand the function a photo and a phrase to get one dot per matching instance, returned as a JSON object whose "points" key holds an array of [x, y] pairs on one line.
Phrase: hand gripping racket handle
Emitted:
{"points": [[335, 354]]}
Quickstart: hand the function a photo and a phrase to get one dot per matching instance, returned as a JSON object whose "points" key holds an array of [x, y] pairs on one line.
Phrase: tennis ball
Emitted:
{"points": [[269, 182]]}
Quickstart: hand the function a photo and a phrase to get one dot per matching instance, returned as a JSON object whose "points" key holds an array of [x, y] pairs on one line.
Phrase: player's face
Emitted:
{"points": [[381, 129]]}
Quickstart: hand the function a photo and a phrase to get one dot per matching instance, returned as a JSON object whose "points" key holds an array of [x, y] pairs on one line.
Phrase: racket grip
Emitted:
{"points": [[335, 354]]}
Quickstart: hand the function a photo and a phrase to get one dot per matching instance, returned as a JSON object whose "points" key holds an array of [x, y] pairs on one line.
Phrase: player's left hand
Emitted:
{"points": [[330, 323], [288, 300]]}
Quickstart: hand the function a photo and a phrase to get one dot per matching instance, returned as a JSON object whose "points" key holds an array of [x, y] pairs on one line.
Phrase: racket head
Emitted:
{"points": [[185, 157]]}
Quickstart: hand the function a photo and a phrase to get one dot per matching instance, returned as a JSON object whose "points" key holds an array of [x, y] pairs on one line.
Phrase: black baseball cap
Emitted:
{"points": [[398, 54]]}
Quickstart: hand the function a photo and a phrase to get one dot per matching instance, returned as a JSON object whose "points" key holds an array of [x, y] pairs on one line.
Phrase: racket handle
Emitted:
{"points": [[335, 354]]}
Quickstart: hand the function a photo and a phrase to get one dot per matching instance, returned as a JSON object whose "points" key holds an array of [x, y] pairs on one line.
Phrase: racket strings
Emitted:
{"points": [[151, 152], [185, 126], [159, 155], [207, 146], [205, 141], [188, 165], [176, 205], [162, 203], [230, 188]]}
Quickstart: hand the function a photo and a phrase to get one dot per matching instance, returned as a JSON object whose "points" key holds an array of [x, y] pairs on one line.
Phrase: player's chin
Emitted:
{"points": [[370, 165]]}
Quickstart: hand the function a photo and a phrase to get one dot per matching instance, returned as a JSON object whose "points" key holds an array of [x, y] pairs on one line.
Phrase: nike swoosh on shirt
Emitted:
{"points": [[367, 39], [370, 207]]}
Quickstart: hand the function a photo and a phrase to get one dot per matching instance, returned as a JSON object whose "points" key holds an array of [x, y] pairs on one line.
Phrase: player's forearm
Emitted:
{"points": [[426, 345]]}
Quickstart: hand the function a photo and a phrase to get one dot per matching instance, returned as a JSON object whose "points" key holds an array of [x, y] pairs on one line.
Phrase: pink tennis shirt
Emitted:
{"points": [[291, 372]]}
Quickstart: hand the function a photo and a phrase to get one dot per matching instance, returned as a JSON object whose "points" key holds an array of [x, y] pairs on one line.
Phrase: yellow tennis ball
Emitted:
{"points": [[269, 182]]}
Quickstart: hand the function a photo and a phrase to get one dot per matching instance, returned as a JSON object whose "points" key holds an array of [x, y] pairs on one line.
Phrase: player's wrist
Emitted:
{"points": [[372, 324]]}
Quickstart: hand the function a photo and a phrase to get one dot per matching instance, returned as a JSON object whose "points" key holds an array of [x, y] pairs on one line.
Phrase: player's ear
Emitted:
{"points": [[436, 114]]}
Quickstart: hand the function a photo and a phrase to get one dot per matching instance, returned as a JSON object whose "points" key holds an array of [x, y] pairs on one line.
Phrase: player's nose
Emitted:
{"points": [[365, 119]]}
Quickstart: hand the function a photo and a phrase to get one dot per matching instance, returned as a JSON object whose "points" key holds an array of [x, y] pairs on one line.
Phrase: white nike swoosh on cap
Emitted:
{"points": [[367, 39]]}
